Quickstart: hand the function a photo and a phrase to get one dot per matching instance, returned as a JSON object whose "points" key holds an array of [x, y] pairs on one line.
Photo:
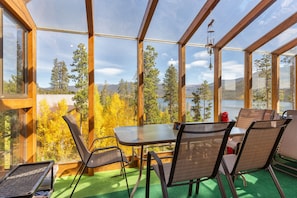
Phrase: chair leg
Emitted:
{"points": [[275, 180], [230, 179], [125, 175], [148, 176], [190, 188], [78, 171], [231, 185], [164, 188], [197, 186], [84, 167], [221, 187]]}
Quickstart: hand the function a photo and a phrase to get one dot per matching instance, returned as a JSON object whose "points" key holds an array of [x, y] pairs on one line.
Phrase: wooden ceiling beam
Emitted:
{"points": [[286, 47], [198, 20], [250, 17], [273, 33], [150, 9], [90, 18], [20, 11]]}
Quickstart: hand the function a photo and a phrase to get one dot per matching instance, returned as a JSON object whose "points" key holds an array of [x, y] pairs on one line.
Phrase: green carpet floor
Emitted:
{"points": [[110, 184]]}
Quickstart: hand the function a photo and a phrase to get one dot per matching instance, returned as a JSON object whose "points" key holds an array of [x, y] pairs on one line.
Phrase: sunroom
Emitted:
{"points": [[233, 54]]}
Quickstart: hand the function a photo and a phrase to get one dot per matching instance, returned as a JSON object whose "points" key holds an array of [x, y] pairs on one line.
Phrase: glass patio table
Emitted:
{"points": [[151, 134]]}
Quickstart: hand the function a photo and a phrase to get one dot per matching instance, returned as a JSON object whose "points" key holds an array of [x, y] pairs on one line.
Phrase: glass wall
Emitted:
{"points": [[287, 83], [160, 83], [261, 81], [232, 82], [12, 141], [62, 77], [14, 64], [199, 84]]}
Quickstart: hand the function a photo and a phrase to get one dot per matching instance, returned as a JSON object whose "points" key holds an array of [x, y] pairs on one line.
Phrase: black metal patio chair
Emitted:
{"points": [[96, 157]]}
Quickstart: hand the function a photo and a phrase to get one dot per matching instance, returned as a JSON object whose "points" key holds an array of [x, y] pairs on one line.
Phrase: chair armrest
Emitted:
{"points": [[105, 148], [101, 138]]}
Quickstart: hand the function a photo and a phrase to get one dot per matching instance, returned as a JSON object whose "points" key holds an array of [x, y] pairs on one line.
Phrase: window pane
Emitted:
{"points": [[12, 143], [14, 57], [232, 82], [287, 83], [115, 97], [160, 83], [261, 81], [199, 84], [59, 56]]}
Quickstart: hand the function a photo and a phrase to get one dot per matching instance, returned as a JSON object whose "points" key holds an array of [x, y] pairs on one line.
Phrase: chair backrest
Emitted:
{"points": [[83, 151], [287, 146], [198, 151], [259, 145], [269, 114], [247, 116]]}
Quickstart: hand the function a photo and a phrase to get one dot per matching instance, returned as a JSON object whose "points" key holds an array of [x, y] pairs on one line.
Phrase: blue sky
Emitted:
{"points": [[115, 59]]}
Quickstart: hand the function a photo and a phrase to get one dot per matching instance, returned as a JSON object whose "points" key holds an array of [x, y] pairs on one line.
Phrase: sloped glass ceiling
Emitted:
{"points": [[122, 18], [169, 22], [278, 12], [69, 15], [226, 14], [172, 18]]}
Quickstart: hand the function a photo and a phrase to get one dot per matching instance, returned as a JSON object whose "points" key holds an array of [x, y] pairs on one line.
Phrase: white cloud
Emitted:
{"points": [[232, 70], [198, 63], [201, 54], [172, 62], [109, 71], [290, 33], [164, 54], [286, 3]]}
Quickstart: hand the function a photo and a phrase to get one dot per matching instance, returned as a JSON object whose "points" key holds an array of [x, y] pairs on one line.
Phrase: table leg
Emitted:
{"points": [[140, 173]]}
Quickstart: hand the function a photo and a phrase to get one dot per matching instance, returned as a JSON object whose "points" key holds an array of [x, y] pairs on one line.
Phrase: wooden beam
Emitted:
{"points": [[199, 19], [9, 104], [181, 83], [291, 44], [273, 33], [244, 22], [20, 11], [275, 82], [90, 18], [140, 86], [217, 97], [150, 9], [294, 87], [248, 73]]}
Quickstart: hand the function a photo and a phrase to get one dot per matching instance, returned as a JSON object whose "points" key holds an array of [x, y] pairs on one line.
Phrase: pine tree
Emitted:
{"points": [[151, 80], [196, 107], [59, 77], [80, 77], [171, 92], [202, 102], [263, 67], [206, 100], [290, 94]]}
